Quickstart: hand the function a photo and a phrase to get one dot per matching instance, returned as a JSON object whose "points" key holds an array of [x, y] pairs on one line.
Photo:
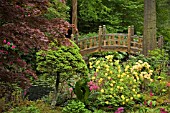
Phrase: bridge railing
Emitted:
{"points": [[136, 43], [112, 42], [87, 43]]}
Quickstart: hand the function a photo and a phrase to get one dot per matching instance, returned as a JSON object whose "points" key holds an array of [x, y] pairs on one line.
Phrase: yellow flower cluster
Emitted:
{"points": [[140, 65], [91, 64], [100, 80], [141, 70], [126, 99], [116, 62], [109, 58], [97, 62]]}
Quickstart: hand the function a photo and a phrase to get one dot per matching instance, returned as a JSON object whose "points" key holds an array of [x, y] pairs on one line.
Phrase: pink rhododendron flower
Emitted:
{"points": [[13, 47], [4, 41], [109, 106], [90, 83], [11, 63], [168, 84], [91, 88], [25, 92], [150, 104], [120, 110], [70, 89], [8, 43], [145, 102], [151, 94], [162, 110]]}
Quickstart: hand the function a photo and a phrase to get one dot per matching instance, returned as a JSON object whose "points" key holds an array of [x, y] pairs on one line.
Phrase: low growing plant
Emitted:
{"points": [[75, 106]]}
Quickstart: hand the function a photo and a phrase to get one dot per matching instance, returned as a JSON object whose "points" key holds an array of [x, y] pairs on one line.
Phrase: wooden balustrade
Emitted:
{"points": [[112, 42]]}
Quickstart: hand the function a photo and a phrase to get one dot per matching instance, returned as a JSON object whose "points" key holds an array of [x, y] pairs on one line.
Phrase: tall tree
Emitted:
{"points": [[74, 14], [149, 40]]}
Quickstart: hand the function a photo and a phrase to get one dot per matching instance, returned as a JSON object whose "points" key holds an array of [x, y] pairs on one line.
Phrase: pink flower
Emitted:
{"points": [[70, 89], [94, 87], [151, 94], [17, 6], [150, 104], [145, 102], [25, 92], [90, 83], [162, 110], [168, 84], [4, 41], [120, 110], [91, 88], [13, 47], [8, 43], [109, 106], [11, 63]]}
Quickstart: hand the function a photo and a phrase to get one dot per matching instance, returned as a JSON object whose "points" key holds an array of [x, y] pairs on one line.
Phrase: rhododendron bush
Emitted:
{"points": [[23, 31], [121, 84]]}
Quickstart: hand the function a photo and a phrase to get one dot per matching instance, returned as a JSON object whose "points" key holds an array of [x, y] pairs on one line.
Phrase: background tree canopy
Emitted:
{"points": [[118, 14]]}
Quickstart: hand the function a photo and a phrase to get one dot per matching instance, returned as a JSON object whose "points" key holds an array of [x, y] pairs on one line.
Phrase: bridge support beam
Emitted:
{"points": [[100, 37], [130, 31]]}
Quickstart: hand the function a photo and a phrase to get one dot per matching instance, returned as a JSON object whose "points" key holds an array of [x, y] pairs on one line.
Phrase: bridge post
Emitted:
{"points": [[104, 31], [100, 38], [132, 30], [129, 38]]}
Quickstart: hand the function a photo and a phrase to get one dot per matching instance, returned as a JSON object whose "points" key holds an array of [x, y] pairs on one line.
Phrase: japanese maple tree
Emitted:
{"points": [[24, 30]]}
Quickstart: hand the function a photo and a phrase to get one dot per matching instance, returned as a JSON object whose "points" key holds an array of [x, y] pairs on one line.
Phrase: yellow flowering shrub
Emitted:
{"points": [[117, 85]]}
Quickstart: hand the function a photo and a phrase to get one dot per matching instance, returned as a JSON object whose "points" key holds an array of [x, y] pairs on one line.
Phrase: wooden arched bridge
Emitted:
{"points": [[112, 42]]}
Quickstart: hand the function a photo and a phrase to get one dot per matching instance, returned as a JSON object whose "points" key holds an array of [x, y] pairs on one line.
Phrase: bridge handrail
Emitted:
{"points": [[127, 42]]}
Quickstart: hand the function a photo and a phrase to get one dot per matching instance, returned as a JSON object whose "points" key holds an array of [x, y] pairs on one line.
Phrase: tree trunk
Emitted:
{"points": [[149, 39], [74, 15], [54, 101]]}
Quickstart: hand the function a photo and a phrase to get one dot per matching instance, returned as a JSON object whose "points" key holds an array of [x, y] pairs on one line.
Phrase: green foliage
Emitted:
{"points": [[115, 14], [38, 106], [116, 55], [10, 95], [163, 17], [75, 106], [158, 87], [87, 35], [65, 60], [143, 109], [167, 48], [82, 91], [26, 109], [57, 9], [99, 111]]}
